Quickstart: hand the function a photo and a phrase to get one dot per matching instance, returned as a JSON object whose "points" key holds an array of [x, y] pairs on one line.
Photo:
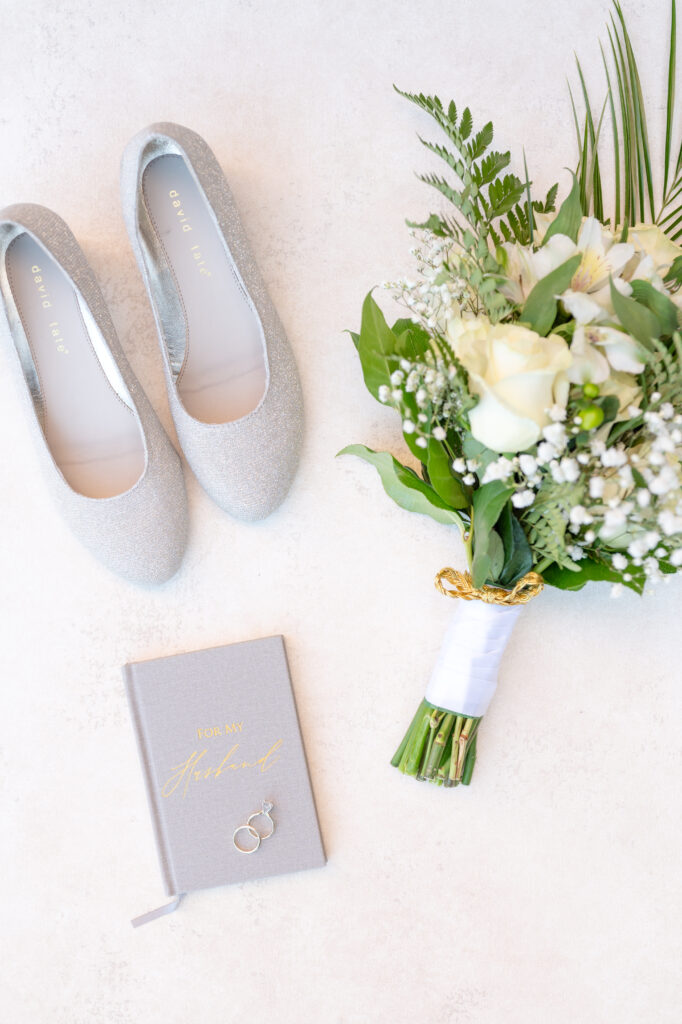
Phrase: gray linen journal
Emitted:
{"points": [[218, 734]]}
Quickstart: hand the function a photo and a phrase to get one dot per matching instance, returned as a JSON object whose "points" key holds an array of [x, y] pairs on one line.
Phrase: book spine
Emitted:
{"points": [[162, 845]]}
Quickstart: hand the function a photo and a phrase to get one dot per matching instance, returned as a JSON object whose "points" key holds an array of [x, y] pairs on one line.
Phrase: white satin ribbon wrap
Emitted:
{"points": [[465, 676]]}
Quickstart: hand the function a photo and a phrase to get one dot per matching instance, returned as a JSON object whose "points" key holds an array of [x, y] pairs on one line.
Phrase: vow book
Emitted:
{"points": [[218, 734]]}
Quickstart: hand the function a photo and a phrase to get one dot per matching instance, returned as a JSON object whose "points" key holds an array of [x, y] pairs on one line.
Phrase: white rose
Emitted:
{"points": [[651, 241], [516, 375]]}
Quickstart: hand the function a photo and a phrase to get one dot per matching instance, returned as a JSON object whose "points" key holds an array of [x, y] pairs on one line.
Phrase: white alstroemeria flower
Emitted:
{"points": [[542, 225], [523, 266], [595, 307], [588, 299], [650, 240], [646, 271], [552, 254], [596, 350], [602, 257], [520, 271]]}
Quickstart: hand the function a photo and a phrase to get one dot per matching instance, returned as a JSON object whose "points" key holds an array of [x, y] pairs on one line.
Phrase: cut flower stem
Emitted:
{"points": [[438, 747]]}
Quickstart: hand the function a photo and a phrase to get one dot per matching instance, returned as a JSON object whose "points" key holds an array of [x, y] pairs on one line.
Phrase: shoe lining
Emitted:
{"points": [[93, 436], [223, 373]]}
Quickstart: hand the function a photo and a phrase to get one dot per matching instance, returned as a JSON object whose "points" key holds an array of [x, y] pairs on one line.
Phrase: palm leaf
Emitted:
{"points": [[635, 198], [529, 200], [616, 141], [641, 133], [670, 102], [578, 132]]}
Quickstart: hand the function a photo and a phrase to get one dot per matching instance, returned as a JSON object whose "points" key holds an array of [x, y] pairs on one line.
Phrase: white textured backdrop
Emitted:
{"points": [[549, 892]]}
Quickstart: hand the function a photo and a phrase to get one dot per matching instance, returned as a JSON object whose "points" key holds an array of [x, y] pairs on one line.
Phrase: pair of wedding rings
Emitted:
{"points": [[256, 836]]}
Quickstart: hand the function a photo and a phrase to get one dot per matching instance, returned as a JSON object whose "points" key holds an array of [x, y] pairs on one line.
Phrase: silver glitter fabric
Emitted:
{"points": [[247, 465], [140, 534]]}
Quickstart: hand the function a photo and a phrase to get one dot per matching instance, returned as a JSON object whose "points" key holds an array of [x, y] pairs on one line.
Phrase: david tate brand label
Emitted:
{"points": [[46, 303], [194, 250]]}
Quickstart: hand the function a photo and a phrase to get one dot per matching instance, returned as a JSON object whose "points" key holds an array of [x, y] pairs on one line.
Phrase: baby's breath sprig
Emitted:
{"points": [[436, 388]]}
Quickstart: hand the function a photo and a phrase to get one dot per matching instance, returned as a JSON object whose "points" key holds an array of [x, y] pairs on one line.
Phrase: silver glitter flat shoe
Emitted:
{"points": [[109, 464], [232, 381]]}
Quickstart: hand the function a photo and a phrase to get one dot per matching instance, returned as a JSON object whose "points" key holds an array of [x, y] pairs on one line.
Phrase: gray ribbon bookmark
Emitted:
{"points": [[151, 915]]}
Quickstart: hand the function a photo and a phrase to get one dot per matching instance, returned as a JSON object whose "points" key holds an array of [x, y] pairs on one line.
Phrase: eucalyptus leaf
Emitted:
{"points": [[610, 406], [473, 449], [404, 486], [518, 557], [488, 503], [674, 275], [637, 320], [540, 309], [495, 555], [659, 304], [376, 344], [590, 570], [413, 340], [441, 475]]}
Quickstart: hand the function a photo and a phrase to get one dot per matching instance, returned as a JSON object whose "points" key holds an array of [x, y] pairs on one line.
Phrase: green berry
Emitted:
{"points": [[591, 417], [590, 390]]}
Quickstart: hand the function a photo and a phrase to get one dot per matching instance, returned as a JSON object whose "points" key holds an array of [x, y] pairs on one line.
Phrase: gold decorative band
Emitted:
{"points": [[461, 586]]}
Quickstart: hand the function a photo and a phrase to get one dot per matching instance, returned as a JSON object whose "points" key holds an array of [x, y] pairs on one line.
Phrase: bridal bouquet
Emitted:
{"points": [[538, 379]]}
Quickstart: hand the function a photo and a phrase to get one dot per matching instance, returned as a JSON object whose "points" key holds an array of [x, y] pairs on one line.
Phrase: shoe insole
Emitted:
{"points": [[223, 372], [94, 437]]}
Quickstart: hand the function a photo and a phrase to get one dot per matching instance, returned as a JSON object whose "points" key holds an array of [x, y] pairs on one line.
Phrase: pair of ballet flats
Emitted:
{"points": [[231, 378]]}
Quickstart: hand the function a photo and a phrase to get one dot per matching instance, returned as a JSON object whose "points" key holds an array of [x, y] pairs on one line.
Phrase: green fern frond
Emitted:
{"points": [[482, 193], [545, 523]]}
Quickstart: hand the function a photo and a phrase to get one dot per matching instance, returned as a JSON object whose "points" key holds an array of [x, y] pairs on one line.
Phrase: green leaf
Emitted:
{"points": [[670, 104], [569, 217], [488, 503], [412, 340], [610, 406], [465, 124], [637, 320], [441, 475], [473, 449], [411, 344], [659, 304], [376, 344], [355, 338], [482, 140], [549, 204], [529, 199], [616, 141], [540, 309], [496, 555], [518, 557], [589, 174], [641, 138], [435, 224], [674, 275], [404, 486], [590, 570]]}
